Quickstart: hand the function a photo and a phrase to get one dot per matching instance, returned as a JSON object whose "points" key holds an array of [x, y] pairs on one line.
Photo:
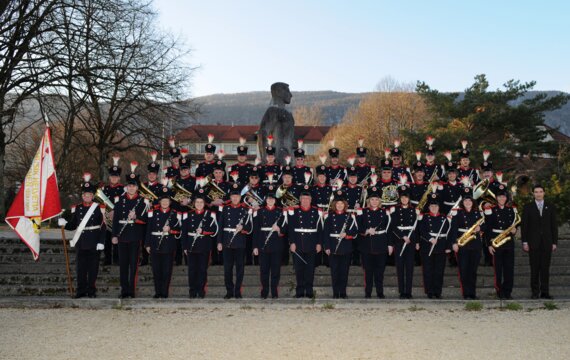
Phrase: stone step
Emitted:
{"points": [[284, 291]]}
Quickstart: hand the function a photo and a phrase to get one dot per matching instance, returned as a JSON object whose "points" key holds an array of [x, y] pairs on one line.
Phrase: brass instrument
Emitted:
{"points": [[146, 193], [505, 236], [482, 191], [287, 199], [252, 199], [470, 234], [423, 201], [180, 193], [389, 194], [101, 198], [215, 192]]}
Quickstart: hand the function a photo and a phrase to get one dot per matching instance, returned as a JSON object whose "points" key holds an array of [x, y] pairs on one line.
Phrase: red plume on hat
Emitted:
{"points": [[300, 143], [153, 155], [86, 177], [361, 141], [241, 140], [221, 154], [464, 144], [171, 142], [210, 138], [116, 159], [331, 142], [386, 153], [430, 140], [323, 158], [419, 155], [486, 154], [351, 159], [397, 143], [270, 140], [134, 165], [447, 155]]}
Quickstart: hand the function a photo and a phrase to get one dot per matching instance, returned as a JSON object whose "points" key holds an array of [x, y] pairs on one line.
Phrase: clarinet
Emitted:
{"points": [[236, 232], [127, 221], [341, 231], [167, 223], [196, 235], [271, 232]]}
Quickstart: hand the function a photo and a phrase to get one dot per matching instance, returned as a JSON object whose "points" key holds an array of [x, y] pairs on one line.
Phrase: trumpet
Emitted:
{"points": [[505, 236], [470, 234], [101, 198], [287, 199]]}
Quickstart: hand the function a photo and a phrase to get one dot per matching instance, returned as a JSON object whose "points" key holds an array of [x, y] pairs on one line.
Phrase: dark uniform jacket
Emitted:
{"points": [[243, 169], [132, 230], [172, 172], [275, 170], [303, 228], [378, 219], [334, 224], [263, 221], [157, 219], [94, 231], [205, 168], [113, 192], [321, 195], [229, 217], [471, 173], [403, 221], [497, 219], [362, 170], [191, 221], [429, 227], [461, 223], [299, 174], [449, 195], [336, 172]]}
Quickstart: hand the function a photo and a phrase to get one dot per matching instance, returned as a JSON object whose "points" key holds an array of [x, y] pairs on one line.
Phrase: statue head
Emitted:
{"points": [[280, 93]]}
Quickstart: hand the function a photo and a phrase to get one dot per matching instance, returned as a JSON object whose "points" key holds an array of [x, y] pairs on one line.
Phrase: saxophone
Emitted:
{"points": [[470, 234], [423, 201], [505, 236]]}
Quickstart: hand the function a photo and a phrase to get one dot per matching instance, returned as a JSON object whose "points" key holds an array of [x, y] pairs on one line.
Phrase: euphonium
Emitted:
{"points": [[506, 234], [145, 192], [101, 198], [287, 199], [470, 234], [215, 191], [180, 193], [251, 198]]}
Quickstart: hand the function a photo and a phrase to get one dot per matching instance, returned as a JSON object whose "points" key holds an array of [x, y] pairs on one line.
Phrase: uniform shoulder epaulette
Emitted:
{"points": [[73, 208]]}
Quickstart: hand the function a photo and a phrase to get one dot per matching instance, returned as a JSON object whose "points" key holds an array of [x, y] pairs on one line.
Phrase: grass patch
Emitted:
{"points": [[550, 305], [513, 306], [328, 306], [473, 306], [246, 307]]}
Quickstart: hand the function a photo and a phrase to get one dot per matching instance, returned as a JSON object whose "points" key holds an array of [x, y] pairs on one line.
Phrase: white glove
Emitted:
{"points": [[61, 222], [100, 247]]}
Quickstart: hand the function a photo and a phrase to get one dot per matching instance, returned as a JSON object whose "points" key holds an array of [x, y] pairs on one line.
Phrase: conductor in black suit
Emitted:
{"points": [[539, 239]]}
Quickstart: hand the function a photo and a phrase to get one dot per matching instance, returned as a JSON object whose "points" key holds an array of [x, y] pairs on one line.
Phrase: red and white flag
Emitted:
{"points": [[37, 199]]}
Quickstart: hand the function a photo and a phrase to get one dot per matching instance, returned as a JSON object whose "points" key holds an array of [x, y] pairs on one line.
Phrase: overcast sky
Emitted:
{"points": [[348, 46]]}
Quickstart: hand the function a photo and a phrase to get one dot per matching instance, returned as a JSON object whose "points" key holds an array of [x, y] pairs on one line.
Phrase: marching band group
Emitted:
{"points": [[330, 215]]}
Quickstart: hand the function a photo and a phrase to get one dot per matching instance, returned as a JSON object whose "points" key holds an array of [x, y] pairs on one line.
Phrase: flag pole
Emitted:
{"points": [[67, 267]]}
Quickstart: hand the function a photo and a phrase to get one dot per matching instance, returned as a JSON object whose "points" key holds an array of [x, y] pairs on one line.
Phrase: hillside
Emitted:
{"points": [[249, 107]]}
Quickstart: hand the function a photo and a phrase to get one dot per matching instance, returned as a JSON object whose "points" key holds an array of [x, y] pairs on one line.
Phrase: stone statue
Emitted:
{"points": [[278, 122]]}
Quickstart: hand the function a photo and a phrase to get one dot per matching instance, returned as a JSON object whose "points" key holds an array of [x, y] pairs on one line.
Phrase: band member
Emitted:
{"points": [[340, 229], [242, 167], [206, 167], [113, 190], [362, 166], [321, 191], [270, 167], [129, 221], [235, 223], [173, 171], [335, 170], [452, 188], [373, 243], [430, 167], [188, 183], [353, 193], [300, 169], [163, 227], [397, 156], [418, 186], [539, 236], [469, 254], [402, 236], [432, 231], [268, 224], [153, 186], [487, 173], [88, 221], [464, 165], [498, 219], [199, 226], [254, 199], [387, 186], [220, 181], [294, 191], [304, 223]]}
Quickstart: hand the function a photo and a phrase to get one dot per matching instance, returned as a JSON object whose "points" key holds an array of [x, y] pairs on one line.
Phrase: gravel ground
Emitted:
{"points": [[396, 331]]}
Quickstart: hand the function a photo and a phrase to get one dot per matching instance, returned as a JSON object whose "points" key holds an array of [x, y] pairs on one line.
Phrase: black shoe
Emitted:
{"points": [[124, 296], [534, 296], [310, 296], [430, 296], [367, 296], [508, 297], [201, 295], [335, 296], [438, 296], [92, 296], [380, 296], [79, 296], [275, 296], [409, 296], [156, 296], [403, 296], [546, 296], [343, 296], [238, 296], [298, 296], [228, 296], [263, 296]]}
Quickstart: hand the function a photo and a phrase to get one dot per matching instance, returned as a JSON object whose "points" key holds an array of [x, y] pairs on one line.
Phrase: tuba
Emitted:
{"points": [[101, 198], [484, 194], [287, 199], [505, 236], [470, 234]]}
